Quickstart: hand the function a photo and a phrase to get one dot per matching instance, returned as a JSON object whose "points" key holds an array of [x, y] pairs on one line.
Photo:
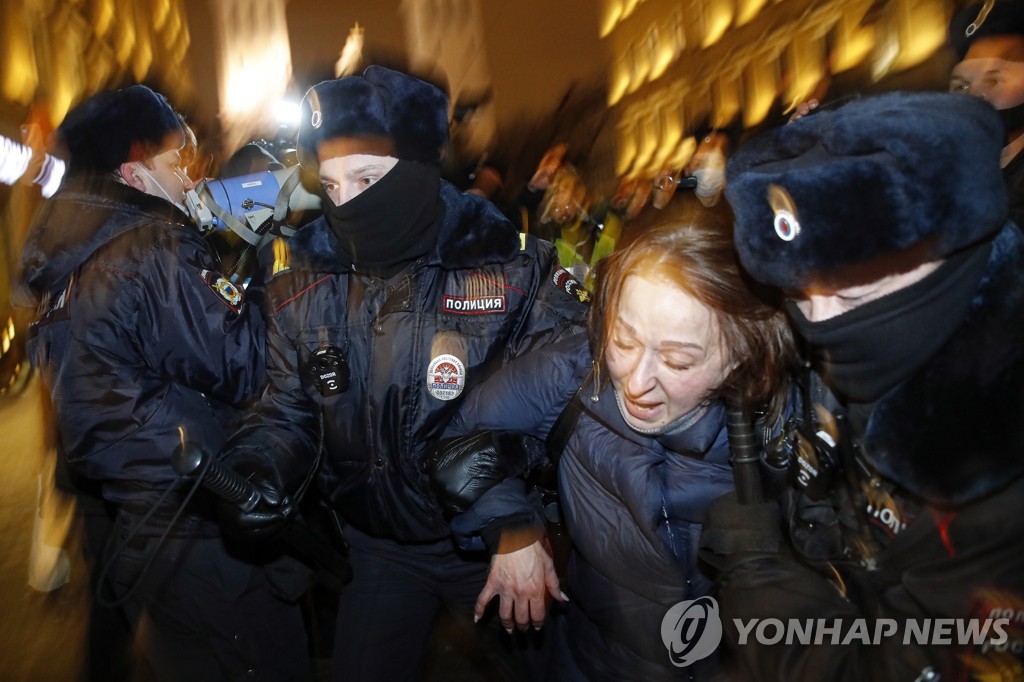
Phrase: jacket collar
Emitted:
{"points": [[694, 441], [85, 213]]}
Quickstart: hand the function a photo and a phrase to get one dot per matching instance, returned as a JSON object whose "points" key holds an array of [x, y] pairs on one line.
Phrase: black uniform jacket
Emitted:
{"points": [[138, 334], [395, 355]]}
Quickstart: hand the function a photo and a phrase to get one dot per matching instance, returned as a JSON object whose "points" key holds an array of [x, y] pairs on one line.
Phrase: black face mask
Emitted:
{"points": [[865, 352], [1013, 118], [394, 221]]}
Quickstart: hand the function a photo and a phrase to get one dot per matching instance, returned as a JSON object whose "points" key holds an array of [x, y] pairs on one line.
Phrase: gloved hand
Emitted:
{"points": [[274, 508], [463, 468], [734, 533]]}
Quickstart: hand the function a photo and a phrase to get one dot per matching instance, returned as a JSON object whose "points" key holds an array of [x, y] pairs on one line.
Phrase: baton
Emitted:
{"points": [[232, 487], [746, 466]]}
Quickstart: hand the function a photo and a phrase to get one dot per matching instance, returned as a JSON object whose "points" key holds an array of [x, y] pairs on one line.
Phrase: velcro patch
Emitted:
{"points": [[564, 280], [473, 305], [225, 290]]}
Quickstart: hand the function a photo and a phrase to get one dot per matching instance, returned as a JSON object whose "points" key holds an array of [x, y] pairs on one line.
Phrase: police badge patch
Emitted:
{"points": [[564, 280], [225, 290], [446, 377]]}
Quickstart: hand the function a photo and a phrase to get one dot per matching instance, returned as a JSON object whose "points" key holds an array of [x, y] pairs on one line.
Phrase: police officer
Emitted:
{"points": [[142, 344], [382, 313], [988, 39], [898, 530]]}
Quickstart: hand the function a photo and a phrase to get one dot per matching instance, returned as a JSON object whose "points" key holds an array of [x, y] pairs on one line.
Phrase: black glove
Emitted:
{"points": [[463, 468], [273, 510], [734, 533]]}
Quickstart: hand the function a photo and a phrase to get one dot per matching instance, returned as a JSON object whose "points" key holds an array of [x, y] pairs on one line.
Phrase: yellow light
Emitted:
{"points": [[726, 101], [18, 66], [143, 58], [747, 10], [682, 154], [617, 88], [662, 59], [717, 19], [761, 91], [647, 146], [806, 70], [612, 15], [103, 16], [627, 153], [922, 34], [160, 11], [125, 42], [853, 41]]}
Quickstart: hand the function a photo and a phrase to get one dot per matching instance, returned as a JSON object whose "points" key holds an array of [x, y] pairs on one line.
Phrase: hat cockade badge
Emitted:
{"points": [[787, 226]]}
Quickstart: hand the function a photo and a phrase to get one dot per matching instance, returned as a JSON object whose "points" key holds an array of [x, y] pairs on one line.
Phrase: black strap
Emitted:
{"points": [[566, 422]]}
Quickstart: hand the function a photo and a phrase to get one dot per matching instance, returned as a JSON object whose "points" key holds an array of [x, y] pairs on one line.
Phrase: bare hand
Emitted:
{"points": [[523, 580], [803, 109]]}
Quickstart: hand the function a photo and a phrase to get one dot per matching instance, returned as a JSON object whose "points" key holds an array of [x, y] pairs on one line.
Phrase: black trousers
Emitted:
{"points": [[386, 615], [200, 613]]}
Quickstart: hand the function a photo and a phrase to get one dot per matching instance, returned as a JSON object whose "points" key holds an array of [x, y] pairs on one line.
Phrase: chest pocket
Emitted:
{"points": [[479, 303]]}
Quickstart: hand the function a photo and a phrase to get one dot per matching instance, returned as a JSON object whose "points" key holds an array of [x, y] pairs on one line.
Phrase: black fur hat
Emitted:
{"points": [[1005, 18], [118, 126], [818, 199], [381, 102]]}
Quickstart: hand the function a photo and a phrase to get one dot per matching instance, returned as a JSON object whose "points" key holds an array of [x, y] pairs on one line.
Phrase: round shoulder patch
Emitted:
{"points": [[446, 377]]}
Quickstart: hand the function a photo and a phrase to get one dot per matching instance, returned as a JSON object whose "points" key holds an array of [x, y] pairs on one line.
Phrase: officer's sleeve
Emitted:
{"points": [[197, 328], [283, 428], [526, 396]]}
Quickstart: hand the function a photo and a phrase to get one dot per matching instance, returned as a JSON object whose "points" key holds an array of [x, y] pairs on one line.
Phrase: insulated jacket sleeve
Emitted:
{"points": [[199, 329], [526, 396], [284, 428]]}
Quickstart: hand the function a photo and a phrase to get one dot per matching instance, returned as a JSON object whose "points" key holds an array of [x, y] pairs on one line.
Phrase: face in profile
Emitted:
{"points": [[164, 176], [346, 177], [664, 354]]}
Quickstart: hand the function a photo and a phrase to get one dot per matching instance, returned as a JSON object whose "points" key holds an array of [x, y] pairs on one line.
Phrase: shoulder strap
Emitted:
{"points": [[566, 422]]}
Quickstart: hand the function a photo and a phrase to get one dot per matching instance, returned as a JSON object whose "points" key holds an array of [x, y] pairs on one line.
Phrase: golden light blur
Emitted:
{"points": [[743, 56]]}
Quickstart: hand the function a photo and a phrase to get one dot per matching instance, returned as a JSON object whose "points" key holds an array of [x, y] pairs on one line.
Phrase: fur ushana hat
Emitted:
{"points": [[118, 126], [381, 103], [969, 24], [913, 174]]}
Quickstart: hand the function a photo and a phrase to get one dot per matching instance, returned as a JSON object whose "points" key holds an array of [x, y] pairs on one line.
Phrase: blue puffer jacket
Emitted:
{"points": [[138, 334], [407, 348], [633, 506]]}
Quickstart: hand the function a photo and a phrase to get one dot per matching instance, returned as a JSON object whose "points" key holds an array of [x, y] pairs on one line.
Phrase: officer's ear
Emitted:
{"points": [[130, 174]]}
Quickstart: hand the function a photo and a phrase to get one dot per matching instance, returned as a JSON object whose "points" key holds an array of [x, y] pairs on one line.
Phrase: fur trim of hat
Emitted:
{"points": [[118, 126], [381, 102], [899, 175], [971, 23]]}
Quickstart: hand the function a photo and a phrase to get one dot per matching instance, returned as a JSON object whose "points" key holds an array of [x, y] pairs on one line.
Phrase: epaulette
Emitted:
{"points": [[282, 257]]}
